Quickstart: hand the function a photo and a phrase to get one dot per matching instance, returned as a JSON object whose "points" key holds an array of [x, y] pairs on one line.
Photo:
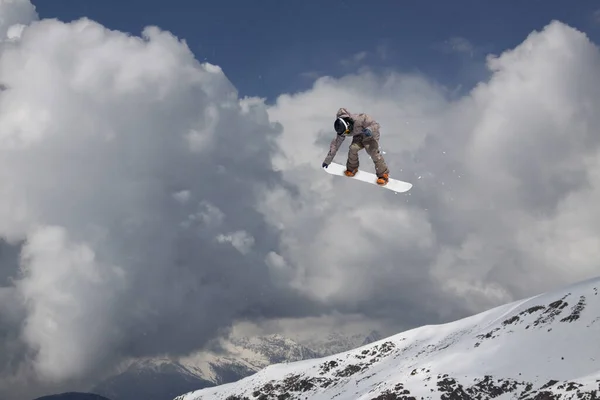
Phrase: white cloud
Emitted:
{"points": [[182, 196], [120, 164], [13, 14], [240, 240], [68, 293], [506, 184], [280, 271]]}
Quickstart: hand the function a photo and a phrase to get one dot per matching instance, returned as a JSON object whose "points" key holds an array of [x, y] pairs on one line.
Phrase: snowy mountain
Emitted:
{"points": [[544, 347], [241, 357], [151, 379], [163, 379], [336, 342], [272, 349]]}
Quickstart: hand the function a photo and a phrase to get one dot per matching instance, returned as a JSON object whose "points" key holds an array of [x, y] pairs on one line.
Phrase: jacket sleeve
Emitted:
{"points": [[368, 122], [333, 148]]}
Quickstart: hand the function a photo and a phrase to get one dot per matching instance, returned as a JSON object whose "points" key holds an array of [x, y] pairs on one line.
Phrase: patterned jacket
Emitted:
{"points": [[361, 122]]}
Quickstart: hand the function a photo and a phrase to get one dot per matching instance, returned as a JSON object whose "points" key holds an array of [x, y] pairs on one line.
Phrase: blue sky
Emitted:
{"points": [[268, 47]]}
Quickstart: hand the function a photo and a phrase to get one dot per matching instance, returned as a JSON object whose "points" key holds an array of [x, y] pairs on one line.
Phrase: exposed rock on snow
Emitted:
{"points": [[544, 347]]}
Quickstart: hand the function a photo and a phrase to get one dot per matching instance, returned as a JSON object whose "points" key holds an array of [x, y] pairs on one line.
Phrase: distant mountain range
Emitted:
{"points": [[164, 379], [335, 342]]}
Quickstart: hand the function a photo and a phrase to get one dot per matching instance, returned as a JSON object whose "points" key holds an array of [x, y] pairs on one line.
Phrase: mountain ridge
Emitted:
{"points": [[541, 347], [158, 378]]}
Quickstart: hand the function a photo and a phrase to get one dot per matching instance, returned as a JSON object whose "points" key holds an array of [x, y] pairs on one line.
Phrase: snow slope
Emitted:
{"points": [[545, 344]]}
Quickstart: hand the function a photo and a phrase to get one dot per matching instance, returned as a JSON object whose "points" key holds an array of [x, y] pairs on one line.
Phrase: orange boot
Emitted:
{"points": [[383, 180], [350, 173]]}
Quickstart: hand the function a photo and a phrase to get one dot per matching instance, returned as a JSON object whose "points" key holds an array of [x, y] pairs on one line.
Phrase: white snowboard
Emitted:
{"points": [[369, 177]]}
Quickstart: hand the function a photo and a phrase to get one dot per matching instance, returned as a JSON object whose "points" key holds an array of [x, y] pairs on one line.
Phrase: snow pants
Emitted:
{"points": [[371, 145]]}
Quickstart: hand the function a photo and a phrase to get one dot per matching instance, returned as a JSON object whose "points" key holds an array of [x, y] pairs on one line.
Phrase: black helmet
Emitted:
{"points": [[342, 125]]}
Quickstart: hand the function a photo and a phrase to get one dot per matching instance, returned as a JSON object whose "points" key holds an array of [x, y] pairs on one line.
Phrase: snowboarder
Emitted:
{"points": [[365, 134]]}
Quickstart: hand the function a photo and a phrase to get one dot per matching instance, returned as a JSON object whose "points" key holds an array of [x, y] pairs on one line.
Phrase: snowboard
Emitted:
{"points": [[394, 185]]}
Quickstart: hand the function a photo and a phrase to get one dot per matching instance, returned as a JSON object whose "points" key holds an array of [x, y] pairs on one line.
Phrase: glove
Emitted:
{"points": [[367, 132], [325, 165]]}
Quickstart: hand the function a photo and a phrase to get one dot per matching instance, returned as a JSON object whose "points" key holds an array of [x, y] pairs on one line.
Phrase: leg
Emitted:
{"points": [[352, 162], [381, 169]]}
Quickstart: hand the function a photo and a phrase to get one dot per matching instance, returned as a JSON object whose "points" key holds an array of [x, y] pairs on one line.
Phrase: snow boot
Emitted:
{"points": [[350, 173], [383, 180]]}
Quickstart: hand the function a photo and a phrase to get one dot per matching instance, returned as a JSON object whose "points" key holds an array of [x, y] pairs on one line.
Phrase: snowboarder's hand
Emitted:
{"points": [[325, 165], [367, 132]]}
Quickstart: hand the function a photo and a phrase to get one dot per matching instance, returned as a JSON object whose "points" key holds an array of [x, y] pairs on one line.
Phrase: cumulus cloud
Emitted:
{"points": [[14, 15], [129, 175], [69, 293], [506, 186]]}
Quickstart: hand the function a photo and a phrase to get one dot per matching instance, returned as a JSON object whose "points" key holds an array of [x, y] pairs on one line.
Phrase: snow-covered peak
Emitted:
{"points": [[275, 348], [544, 344], [247, 355], [233, 358], [337, 341]]}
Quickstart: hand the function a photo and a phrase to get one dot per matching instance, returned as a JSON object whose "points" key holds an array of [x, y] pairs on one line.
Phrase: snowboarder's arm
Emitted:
{"points": [[370, 126], [333, 148]]}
